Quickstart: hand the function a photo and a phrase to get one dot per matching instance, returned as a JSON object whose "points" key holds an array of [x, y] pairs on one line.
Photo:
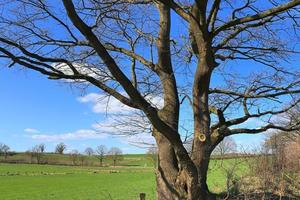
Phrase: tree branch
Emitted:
{"points": [[56, 74], [263, 129], [262, 15], [177, 8], [171, 134], [254, 96], [213, 14]]}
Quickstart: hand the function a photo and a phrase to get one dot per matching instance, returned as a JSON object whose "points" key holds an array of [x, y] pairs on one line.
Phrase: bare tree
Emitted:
{"points": [[286, 119], [127, 49], [37, 152], [74, 155], [60, 148], [30, 154], [4, 150], [82, 159], [152, 155], [293, 117], [42, 147], [89, 151], [283, 150], [115, 154], [227, 146], [100, 153]]}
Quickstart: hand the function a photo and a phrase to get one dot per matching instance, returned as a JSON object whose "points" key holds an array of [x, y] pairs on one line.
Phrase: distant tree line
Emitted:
{"points": [[37, 155]]}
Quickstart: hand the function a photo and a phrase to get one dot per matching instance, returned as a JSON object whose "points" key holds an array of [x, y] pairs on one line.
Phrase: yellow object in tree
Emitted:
{"points": [[202, 137]]}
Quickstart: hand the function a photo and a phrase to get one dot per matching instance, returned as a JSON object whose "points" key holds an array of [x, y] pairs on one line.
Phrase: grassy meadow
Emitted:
{"points": [[133, 175]]}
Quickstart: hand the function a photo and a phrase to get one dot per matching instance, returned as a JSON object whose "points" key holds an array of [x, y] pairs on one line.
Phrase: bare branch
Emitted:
{"points": [[263, 129], [213, 14], [177, 8], [262, 15], [254, 96]]}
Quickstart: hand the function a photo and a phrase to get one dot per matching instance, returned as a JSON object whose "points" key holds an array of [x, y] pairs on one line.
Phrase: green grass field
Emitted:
{"points": [[134, 175]]}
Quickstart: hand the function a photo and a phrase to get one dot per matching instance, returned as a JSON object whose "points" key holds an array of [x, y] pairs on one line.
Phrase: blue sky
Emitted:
{"points": [[36, 110], [33, 106]]}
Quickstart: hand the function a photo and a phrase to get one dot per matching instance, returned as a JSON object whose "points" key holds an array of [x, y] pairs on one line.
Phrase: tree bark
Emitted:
{"points": [[202, 144], [173, 182], [167, 169], [178, 177]]}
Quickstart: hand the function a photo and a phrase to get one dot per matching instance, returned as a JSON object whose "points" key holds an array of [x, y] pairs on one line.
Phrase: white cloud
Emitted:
{"points": [[77, 135], [102, 104], [31, 130], [141, 140], [128, 129], [125, 123]]}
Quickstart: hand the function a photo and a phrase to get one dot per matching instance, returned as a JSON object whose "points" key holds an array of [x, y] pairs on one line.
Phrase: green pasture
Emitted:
{"points": [[134, 175]]}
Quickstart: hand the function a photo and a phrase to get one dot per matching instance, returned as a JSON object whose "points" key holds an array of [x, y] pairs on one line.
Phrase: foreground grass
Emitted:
{"points": [[43, 182]]}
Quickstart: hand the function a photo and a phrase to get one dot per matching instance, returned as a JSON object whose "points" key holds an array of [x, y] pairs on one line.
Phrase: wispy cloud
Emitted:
{"points": [[128, 129], [31, 130], [77, 135], [141, 140], [125, 123], [102, 104]]}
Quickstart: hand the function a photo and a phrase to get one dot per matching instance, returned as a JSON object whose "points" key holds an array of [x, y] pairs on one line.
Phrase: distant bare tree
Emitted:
{"points": [[275, 142], [284, 150], [289, 118], [89, 151], [60, 148], [100, 153], [82, 159], [227, 146], [115, 154], [42, 147], [4, 150], [30, 154], [37, 152], [152, 155], [74, 155]]}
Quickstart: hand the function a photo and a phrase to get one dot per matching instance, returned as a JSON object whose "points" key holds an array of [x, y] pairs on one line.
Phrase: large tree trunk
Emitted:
{"points": [[202, 163], [167, 169], [172, 182], [178, 177]]}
